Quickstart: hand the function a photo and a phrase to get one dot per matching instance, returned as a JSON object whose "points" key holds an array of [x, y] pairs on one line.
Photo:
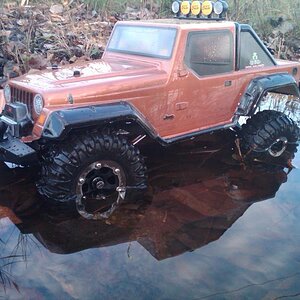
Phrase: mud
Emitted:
{"points": [[208, 226]]}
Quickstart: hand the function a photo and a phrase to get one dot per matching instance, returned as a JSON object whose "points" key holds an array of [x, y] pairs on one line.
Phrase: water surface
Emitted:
{"points": [[213, 229]]}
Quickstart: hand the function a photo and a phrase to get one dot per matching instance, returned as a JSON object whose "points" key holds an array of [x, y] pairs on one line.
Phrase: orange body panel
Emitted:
{"points": [[155, 87]]}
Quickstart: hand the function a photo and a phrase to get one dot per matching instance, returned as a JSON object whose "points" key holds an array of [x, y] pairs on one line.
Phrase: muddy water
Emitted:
{"points": [[211, 229]]}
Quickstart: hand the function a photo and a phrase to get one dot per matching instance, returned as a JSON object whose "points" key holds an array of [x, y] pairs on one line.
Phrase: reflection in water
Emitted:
{"points": [[287, 104], [186, 213], [195, 196]]}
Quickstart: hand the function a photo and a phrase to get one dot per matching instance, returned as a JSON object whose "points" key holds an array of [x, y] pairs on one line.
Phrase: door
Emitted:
{"points": [[208, 89]]}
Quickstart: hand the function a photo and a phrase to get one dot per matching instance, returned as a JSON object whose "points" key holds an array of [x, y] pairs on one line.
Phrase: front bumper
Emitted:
{"points": [[12, 149], [15, 123]]}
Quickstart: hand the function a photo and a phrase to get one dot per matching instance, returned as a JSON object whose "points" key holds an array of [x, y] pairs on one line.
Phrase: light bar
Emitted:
{"points": [[206, 10]]}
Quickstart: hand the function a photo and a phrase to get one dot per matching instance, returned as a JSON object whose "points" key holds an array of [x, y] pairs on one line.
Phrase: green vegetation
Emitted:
{"points": [[264, 15], [119, 6], [276, 21], [107, 5]]}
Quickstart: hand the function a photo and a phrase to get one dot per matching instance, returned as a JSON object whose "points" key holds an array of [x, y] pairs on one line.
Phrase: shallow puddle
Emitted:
{"points": [[211, 229]]}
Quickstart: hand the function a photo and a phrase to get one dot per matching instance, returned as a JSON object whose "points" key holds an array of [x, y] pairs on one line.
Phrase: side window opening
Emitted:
{"points": [[209, 53], [252, 54]]}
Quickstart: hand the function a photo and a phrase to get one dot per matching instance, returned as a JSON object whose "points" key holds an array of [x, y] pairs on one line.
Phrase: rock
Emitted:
{"points": [[48, 46], [56, 9]]}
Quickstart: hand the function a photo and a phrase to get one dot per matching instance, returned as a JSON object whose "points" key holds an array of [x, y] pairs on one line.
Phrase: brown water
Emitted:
{"points": [[214, 230]]}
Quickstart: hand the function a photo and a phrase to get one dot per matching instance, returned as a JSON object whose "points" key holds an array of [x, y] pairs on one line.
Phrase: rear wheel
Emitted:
{"points": [[93, 166], [269, 135]]}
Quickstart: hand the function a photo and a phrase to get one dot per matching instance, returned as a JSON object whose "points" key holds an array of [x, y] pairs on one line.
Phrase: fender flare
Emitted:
{"points": [[282, 83], [61, 122]]}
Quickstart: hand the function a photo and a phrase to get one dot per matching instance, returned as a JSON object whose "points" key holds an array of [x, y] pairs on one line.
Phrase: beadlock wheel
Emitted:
{"points": [[92, 166], [269, 135], [100, 179]]}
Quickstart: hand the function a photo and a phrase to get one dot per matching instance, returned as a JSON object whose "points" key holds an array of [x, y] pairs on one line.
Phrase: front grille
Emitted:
{"points": [[22, 96]]}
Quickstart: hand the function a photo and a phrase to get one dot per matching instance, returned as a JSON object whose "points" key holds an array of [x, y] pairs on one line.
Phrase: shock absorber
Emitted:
{"points": [[3, 128]]}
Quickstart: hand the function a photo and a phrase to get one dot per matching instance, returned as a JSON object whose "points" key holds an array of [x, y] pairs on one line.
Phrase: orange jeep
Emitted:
{"points": [[168, 80]]}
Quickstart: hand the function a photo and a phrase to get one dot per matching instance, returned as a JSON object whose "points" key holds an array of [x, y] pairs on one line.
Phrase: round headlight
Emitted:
{"points": [[175, 7], [7, 93], [38, 104]]}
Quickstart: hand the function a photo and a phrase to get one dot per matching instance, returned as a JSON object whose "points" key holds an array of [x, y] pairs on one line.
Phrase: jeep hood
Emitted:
{"points": [[88, 73]]}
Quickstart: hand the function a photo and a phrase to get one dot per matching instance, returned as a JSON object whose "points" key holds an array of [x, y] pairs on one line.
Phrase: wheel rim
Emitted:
{"points": [[101, 180], [278, 147]]}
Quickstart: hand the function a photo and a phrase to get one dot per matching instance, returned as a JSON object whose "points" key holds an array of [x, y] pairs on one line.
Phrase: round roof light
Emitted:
{"points": [[7, 93], [218, 8], [176, 7], [196, 8], [185, 7], [207, 8]]}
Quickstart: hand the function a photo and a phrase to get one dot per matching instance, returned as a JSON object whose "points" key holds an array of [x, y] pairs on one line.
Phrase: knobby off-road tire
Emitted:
{"points": [[269, 135], [63, 166]]}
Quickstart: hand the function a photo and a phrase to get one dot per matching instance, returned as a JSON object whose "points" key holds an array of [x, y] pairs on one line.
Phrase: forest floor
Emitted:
{"points": [[39, 35]]}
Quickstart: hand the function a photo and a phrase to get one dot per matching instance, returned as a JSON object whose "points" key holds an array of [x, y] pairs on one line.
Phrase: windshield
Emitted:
{"points": [[143, 40]]}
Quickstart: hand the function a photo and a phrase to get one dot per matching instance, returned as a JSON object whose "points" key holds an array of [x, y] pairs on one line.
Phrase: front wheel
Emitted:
{"points": [[92, 166], [269, 135]]}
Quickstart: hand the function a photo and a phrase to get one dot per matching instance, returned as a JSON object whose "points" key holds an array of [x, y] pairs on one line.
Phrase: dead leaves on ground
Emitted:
{"points": [[36, 36]]}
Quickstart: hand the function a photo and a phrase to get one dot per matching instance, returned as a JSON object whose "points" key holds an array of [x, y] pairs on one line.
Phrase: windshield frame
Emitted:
{"points": [[165, 57]]}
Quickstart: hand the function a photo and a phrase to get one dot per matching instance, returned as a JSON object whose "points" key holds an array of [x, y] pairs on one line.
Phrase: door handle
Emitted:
{"points": [[228, 83], [169, 117]]}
